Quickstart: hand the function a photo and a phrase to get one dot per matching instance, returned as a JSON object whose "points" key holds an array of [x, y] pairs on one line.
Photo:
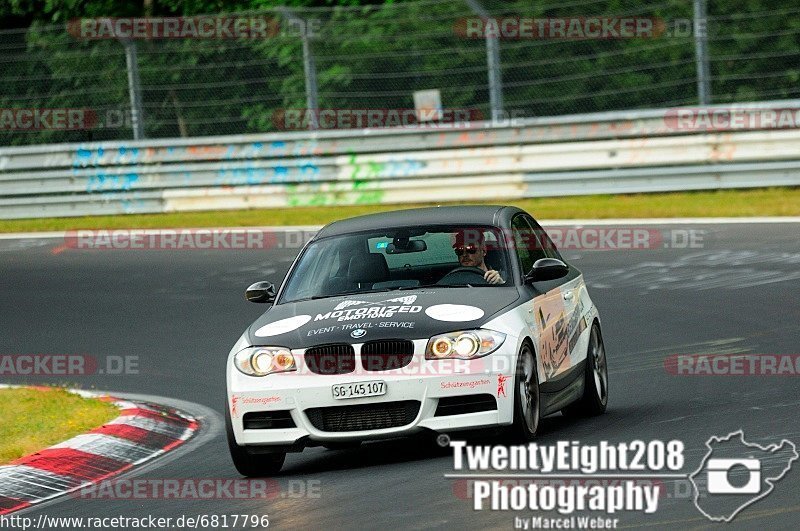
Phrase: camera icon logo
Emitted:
{"points": [[719, 471], [735, 474]]}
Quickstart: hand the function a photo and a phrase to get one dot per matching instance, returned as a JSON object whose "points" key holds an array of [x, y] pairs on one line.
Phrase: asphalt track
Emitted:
{"points": [[180, 311]]}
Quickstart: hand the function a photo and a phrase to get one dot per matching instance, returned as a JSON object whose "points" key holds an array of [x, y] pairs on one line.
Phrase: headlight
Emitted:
{"points": [[467, 344], [261, 361]]}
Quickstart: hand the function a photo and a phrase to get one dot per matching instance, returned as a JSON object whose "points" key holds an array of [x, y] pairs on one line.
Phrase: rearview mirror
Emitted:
{"points": [[260, 292], [547, 269], [407, 246]]}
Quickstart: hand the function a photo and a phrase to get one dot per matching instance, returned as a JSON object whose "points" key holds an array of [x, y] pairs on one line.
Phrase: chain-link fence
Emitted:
{"points": [[512, 58]]}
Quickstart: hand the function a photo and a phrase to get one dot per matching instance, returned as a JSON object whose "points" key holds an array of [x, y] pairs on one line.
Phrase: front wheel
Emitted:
{"points": [[252, 465], [595, 390], [526, 397]]}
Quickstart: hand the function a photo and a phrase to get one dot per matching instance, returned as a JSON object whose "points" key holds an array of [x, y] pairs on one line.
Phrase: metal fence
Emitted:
{"points": [[616, 152], [376, 57]]}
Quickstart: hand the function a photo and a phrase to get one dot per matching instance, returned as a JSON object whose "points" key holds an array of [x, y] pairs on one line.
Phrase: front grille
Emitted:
{"points": [[331, 359], [364, 416], [267, 420], [385, 355], [459, 405]]}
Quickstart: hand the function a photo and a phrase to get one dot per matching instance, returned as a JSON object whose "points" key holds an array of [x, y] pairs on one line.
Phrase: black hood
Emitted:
{"points": [[407, 314]]}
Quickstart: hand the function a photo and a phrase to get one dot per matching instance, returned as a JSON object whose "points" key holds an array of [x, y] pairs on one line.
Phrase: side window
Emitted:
{"points": [[527, 241], [522, 245], [547, 246]]}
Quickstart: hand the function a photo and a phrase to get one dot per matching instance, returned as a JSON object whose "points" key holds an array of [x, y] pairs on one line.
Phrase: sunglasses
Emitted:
{"points": [[460, 251]]}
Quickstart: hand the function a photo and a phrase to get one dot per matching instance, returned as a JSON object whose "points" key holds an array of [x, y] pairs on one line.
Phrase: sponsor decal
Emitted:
{"points": [[459, 384], [363, 325], [501, 385], [377, 310], [234, 406], [553, 341], [251, 400], [454, 312], [398, 324], [283, 326], [559, 335], [577, 322], [407, 300], [260, 400]]}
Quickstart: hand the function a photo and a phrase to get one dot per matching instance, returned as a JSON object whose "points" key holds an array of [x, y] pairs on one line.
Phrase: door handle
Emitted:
{"points": [[568, 295]]}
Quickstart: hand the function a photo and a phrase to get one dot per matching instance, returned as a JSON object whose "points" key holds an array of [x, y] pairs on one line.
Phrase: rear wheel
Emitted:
{"points": [[526, 396], [248, 462], [595, 390]]}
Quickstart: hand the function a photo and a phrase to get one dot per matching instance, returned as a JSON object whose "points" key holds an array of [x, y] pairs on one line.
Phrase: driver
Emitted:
{"points": [[470, 248]]}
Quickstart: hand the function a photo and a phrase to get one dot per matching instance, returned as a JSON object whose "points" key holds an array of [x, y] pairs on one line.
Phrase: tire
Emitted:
{"points": [[252, 465], [527, 407], [595, 390]]}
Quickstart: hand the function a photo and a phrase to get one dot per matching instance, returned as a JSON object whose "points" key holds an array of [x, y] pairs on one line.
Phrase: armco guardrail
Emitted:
{"points": [[640, 151]]}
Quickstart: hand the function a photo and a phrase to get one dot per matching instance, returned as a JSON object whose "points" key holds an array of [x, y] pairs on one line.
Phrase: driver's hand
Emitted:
{"points": [[493, 277]]}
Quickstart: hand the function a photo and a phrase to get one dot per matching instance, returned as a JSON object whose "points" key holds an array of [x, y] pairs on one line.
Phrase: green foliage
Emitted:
{"points": [[376, 56]]}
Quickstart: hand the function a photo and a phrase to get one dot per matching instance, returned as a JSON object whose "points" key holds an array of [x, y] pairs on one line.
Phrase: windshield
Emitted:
{"points": [[401, 258]]}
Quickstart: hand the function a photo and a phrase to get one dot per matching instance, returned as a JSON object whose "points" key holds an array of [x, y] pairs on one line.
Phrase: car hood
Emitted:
{"points": [[408, 314]]}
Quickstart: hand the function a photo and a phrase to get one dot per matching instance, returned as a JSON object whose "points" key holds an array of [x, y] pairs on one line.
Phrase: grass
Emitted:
{"points": [[718, 203], [33, 419]]}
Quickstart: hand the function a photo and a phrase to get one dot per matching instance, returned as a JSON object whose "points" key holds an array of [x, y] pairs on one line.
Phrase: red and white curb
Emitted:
{"points": [[142, 432]]}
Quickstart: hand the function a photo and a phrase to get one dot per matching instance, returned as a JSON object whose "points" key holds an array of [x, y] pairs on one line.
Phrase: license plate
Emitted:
{"points": [[358, 390]]}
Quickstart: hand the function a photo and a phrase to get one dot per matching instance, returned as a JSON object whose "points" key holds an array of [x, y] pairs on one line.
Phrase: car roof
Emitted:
{"points": [[493, 215]]}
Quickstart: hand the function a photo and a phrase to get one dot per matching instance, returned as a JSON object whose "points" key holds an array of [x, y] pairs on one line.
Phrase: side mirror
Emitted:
{"points": [[260, 292], [547, 269]]}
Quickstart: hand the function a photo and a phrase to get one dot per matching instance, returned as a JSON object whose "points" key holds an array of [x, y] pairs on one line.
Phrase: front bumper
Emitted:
{"points": [[304, 396]]}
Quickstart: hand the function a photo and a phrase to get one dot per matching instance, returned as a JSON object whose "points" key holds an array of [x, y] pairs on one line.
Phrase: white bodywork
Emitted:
{"points": [[547, 321]]}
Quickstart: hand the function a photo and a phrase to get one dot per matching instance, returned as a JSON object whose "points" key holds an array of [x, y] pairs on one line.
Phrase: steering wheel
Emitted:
{"points": [[464, 275]]}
